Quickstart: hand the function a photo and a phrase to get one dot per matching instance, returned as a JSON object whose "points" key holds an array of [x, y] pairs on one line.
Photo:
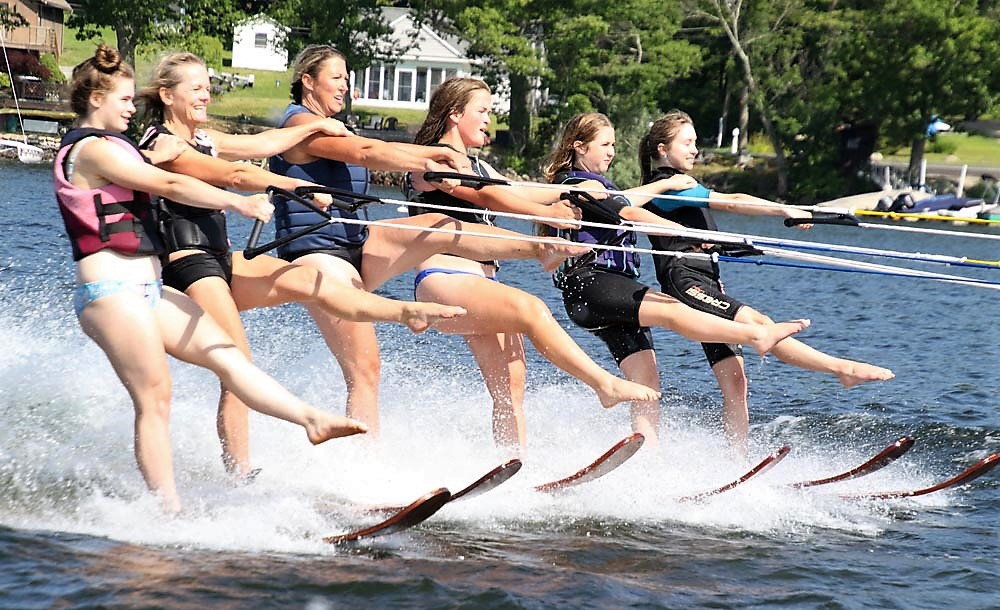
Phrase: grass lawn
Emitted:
{"points": [[968, 149]]}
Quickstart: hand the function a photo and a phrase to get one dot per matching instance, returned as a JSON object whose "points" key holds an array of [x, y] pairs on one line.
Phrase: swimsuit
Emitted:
{"points": [[85, 294], [432, 270]]}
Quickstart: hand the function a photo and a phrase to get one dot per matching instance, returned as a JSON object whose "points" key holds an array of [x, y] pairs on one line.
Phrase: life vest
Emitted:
{"points": [[187, 227], [694, 215], [291, 216], [475, 214], [626, 263], [109, 216]]}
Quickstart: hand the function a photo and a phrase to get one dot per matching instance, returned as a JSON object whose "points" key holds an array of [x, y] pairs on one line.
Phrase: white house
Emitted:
{"points": [[413, 77], [259, 44]]}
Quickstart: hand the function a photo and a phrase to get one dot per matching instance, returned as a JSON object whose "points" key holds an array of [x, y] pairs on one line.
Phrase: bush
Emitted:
{"points": [[942, 145], [50, 63], [26, 64], [4, 82]]}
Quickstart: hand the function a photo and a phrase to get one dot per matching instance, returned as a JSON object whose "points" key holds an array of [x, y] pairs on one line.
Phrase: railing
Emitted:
{"points": [[37, 37]]}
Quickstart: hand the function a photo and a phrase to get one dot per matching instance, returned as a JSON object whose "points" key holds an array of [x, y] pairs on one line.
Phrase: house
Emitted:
{"points": [[409, 82], [259, 44], [44, 32]]}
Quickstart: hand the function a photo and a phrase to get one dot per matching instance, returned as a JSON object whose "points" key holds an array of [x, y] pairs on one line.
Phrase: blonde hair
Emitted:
{"points": [[451, 96], [662, 131], [308, 61], [96, 75], [581, 128], [166, 75]]}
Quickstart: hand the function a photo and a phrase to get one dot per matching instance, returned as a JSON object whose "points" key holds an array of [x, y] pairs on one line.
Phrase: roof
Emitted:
{"points": [[430, 44], [59, 4]]}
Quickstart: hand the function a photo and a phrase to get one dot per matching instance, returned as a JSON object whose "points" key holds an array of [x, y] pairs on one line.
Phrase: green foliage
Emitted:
{"points": [[10, 18], [4, 82], [48, 60], [942, 146]]}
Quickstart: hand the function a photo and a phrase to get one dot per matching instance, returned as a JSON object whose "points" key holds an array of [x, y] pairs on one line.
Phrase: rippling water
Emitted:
{"points": [[78, 531]]}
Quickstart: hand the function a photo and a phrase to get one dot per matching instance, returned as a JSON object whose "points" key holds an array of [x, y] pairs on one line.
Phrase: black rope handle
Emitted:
{"points": [[469, 180], [349, 201], [837, 219], [253, 250]]}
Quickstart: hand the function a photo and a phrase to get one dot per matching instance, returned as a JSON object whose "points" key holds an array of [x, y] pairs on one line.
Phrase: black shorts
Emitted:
{"points": [[183, 272], [696, 284], [351, 254], [607, 304]]}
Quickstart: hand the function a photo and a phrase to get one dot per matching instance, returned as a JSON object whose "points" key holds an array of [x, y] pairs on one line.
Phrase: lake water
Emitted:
{"points": [[77, 530]]}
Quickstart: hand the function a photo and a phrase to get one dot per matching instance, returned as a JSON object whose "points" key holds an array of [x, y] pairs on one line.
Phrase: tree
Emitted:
{"points": [[10, 19], [136, 22], [918, 58]]}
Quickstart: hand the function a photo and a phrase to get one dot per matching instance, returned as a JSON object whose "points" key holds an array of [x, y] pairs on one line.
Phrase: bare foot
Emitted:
{"points": [[418, 317], [617, 390], [860, 372], [772, 334], [324, 426], [552, 255]]}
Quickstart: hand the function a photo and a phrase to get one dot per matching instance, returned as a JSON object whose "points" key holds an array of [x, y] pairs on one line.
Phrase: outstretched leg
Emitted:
{"points": [[495, 308], [658, 309], [266, 281], [794, 352], [192, 335], [392, 251]]}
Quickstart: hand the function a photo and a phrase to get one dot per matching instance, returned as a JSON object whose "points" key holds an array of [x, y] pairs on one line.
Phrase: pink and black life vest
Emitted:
{"points": [[109, 216]]}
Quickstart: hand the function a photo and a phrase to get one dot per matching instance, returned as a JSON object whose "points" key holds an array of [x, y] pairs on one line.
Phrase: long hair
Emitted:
{"points": [[662, 131], [308, 61], [451, 96], [96, 75], [581, 128], [166, 75]]}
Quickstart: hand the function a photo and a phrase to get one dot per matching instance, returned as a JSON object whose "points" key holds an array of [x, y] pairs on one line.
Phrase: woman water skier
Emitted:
{"points": [[102, 184], [498, 315], [605, 295], [199, 261], [366, 257], [668, 151]]}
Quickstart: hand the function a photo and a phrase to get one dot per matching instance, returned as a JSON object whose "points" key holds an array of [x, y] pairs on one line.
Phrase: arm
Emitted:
{"points": [[228, 174], [374, 154], [102, 160], [273, 141], [736, 203]]}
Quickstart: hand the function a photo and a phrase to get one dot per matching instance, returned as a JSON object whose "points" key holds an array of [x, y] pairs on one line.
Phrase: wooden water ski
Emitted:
{"points": [[972, 472], [764, 465], [489, 481], [878, 462], [416, 512], [612, 458]]}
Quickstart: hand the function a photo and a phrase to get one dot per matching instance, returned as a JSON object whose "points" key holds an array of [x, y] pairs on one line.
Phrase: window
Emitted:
{"points": [[390, 83], [260, 40], [374, 82], [421, 84], [405, 83]]}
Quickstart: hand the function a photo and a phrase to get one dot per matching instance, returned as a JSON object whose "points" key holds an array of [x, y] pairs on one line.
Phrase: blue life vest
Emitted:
{"points": [[290, 216], [626, 263]]}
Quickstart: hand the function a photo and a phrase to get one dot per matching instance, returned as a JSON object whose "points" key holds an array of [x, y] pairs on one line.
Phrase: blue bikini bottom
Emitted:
{"points": [[431, 270], [85, 294]]}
